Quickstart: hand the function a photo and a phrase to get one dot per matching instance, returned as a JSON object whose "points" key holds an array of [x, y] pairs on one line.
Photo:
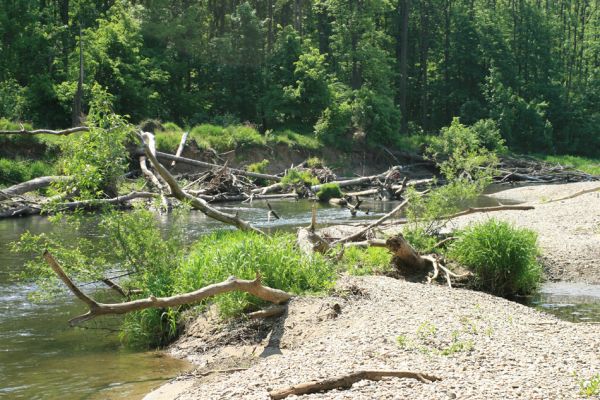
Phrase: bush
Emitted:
{"points": [[219, 255], [259, 168], [294, 177], [315, 162], [16, 171], [502, 257], [226, 138], [329, 191]]}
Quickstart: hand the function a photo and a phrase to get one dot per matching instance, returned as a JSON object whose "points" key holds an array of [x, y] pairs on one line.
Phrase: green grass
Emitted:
{"points": [[414, 143], [369, 261], [17, 171], [502, 257], [294, 177], [329, 191], [219, 255], [226, 138], [585, 164]]}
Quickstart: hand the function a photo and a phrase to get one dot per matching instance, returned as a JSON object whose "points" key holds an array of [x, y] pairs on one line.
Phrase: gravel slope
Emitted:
{"points": [[503, 350]]}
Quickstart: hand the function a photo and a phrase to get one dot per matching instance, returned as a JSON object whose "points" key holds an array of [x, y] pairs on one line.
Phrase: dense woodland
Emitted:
{"points": [[374, 69]]}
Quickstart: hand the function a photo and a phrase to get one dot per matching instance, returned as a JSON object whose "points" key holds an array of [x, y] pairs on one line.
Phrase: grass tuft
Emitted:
{"points": [[502, 257]]}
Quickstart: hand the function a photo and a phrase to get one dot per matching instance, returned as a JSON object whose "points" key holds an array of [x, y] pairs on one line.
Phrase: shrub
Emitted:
{"points": [[219, 255], [260, 168], [329, 191], [315, 162], [369, 261], [502, 257], [294, 177], [17, 171]]}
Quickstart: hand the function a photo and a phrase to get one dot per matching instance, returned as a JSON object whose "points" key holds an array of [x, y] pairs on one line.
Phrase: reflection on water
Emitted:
{"points": [[42, 358], [576, 302]]}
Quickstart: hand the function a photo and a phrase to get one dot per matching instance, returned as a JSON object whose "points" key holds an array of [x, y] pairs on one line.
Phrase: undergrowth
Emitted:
{"points": [[294, 177], [369, 261], [219, 255]]}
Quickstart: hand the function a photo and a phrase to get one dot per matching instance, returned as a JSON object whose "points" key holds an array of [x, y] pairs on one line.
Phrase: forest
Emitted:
{"points": [[373, 70]]}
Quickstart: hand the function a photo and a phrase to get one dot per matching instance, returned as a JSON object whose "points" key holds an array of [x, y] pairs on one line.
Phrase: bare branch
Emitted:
{"points": [[346, 381], [253, 287], [46, 131]]}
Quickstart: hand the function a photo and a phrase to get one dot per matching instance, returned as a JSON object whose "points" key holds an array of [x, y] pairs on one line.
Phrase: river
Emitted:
{"points": [[42, 358]]}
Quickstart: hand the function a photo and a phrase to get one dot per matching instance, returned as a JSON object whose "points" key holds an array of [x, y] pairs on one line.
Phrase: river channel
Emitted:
{"points": [[42, 358]]}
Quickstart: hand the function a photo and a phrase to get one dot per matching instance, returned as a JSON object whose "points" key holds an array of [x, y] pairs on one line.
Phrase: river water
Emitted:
{"points": [[41, 357]]}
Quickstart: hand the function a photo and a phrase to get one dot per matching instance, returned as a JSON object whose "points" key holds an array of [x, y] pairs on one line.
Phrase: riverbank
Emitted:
{"points": [[568, 230], [481, 346]]}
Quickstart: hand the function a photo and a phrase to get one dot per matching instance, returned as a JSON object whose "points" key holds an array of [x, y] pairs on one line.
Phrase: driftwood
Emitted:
{"points": [[346, 381], [94, 204], [203, 164], [571, 196], [195, 202], [30, 186], [406, 259], [181, 146], [273, 311], [363, 231], [96, 309], [46, 131]]}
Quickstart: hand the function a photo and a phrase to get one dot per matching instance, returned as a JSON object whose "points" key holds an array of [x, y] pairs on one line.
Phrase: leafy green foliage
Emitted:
{"points": [[293, 177], [98, 158], [589, 387], [219, 255], [369, 261], [315, 162], [17, 171], [261, 168], [502, 257], [329, 191]]}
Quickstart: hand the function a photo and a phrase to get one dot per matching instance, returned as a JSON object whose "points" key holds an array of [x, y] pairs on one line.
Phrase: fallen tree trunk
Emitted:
{"points": [[46, 131], [365, 180], [190, 161], [96, 309], [195, 202], [30, 186], [346, 381], [93, 204]]}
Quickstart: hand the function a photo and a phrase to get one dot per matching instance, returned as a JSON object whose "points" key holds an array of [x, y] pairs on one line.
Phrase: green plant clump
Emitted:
{"points": [[17, 171], [329, 191], [219, 255], [502, 257], [369, 261], [589, 387], [294, 177], [260, 168]]}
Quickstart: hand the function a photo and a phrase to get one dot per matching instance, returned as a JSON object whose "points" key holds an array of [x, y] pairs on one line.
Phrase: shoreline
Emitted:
{"points": [[517, 352]]}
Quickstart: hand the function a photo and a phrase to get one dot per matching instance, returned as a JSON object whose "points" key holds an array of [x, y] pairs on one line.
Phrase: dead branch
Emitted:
{"points": [[181, 146], [473, 210], [253, 287], [363, 231], [346, 381], [92, 204], [195, 202], [63, 132], [30, 186], [273, 311], [198, 163], [581, 192]]}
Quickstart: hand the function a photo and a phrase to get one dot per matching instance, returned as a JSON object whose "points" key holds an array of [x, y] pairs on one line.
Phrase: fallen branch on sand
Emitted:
{"points": [[253, 287], [346, 381]]}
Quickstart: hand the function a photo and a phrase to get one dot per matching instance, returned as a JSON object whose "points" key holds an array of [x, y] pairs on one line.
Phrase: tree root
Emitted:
{"points": [[346, 381]]}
